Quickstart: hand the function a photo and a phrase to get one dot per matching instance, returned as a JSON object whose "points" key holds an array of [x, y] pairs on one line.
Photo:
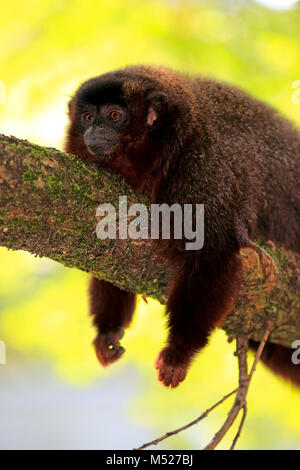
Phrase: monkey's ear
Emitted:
{"points": [[71, 107], [157, 104]]}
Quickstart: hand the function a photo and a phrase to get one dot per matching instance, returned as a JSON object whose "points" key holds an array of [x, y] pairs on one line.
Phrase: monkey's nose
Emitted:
{"points": [[99, 143], [89, 137]]}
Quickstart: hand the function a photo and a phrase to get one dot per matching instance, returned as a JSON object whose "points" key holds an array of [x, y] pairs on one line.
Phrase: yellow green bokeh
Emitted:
{"points": [[46, 50]]}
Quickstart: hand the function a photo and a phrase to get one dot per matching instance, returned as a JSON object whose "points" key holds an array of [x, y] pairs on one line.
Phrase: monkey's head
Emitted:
{"points": [[129, 117]]}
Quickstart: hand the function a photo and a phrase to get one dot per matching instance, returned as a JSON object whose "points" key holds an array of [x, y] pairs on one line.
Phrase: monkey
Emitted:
{"points": [[189, 139]]}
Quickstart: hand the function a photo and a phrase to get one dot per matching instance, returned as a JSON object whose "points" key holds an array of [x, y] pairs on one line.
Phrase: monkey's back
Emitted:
{"points": [[255, 156]]}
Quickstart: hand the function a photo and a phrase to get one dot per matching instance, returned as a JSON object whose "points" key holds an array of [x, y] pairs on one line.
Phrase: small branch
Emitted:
{"points": [[240, 400], [271, 325], [192, 423], [240, 428], [244, 382]]}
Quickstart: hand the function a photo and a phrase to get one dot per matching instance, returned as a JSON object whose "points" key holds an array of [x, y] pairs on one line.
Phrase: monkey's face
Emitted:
{"points": [[112, 117], [102, 128]]}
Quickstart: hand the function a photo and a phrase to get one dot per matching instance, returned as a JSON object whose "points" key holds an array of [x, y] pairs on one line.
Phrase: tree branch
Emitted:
{"points": [[48, 203], [240, 402], [240, 398], [186, 426]]}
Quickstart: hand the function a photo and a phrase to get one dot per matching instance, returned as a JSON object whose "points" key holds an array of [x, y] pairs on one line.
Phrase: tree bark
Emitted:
{"points": [[48, 203]]}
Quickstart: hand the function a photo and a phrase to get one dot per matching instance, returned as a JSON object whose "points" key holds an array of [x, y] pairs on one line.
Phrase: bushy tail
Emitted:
{"points": [[279, 360]]}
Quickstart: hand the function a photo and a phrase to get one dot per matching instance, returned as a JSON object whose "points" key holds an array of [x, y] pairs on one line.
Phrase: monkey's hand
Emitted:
{"points": [[107, 346], [172, 369]]}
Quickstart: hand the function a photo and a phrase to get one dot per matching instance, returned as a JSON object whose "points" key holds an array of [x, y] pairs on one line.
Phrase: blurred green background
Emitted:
{"points": [[53, 393]]}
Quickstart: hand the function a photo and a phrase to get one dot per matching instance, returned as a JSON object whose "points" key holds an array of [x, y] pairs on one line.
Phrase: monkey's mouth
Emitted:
{"points": [[102, 152], [100, 144]]}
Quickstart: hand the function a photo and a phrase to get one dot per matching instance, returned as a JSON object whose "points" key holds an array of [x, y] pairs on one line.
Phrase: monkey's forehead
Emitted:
{"points": [[120, 85], [101, 90]]}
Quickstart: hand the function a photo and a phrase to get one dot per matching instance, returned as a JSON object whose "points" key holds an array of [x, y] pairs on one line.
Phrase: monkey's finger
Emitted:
{"points": [[100, 357], [158, 362], [178, 376], [169, 376], [117, 353], [162, 372]]}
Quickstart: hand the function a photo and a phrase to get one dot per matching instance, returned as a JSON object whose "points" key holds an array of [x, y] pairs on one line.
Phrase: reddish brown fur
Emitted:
{"points": [[196, 141]]}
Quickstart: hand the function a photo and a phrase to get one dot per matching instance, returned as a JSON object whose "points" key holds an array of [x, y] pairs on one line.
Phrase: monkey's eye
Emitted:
{"points": [[114, 115], [88, 117]]}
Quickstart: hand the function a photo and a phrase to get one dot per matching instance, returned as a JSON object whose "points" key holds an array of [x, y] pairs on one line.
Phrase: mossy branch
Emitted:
{"points": [[48, 203]]}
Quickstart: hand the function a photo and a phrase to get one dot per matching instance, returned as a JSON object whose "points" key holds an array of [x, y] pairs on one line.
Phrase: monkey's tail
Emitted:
{"points": [[279, 360]]}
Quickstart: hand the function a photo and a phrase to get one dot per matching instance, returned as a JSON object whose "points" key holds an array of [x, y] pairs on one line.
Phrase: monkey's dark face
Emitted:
{"points": [[102, 128], [99, 118], [111, 116]]}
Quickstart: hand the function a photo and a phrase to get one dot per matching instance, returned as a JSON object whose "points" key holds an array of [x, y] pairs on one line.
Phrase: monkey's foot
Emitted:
{"points": [[170, 372], [107, 346]]}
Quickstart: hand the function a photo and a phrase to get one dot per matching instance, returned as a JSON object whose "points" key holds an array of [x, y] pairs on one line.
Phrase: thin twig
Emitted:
{"points": [[240, 400], [192, 423], [270, 326], [240, 427], [244, 382]]}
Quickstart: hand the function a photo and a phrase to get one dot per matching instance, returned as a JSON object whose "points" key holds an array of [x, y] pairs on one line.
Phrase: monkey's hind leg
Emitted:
{"points": [[198, 302], [112, 310]]}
